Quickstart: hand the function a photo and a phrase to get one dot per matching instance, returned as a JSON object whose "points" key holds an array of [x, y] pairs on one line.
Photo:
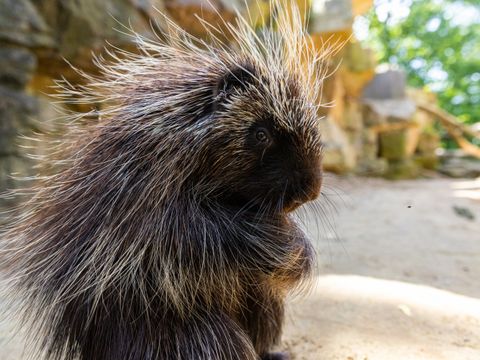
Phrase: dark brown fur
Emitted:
{"points": [[168, 232]]}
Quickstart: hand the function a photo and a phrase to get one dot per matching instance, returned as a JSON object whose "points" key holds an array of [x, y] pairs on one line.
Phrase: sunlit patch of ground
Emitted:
{"points": [[467, 189], [357, 317]]}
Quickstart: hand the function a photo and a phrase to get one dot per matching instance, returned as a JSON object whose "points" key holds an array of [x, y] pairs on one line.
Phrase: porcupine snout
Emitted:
{"points": [[304, 185]]}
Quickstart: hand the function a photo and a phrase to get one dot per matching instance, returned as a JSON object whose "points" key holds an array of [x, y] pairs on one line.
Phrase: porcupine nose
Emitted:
{"points": [[306, 185], [309, 183]]}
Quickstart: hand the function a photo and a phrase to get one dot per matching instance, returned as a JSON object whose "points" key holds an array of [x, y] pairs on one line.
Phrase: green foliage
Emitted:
{"points": [[438, 47]]}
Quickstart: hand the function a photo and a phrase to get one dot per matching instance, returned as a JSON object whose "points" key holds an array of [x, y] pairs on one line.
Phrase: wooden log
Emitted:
{"points": [[455, 128], [448, 119]]}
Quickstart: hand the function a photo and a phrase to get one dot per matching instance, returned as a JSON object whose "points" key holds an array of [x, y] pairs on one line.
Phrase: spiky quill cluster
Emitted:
{"points": [[164, 234]]}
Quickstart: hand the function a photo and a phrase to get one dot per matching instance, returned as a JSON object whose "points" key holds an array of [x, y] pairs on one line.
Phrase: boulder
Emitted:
{"points": [[402, 169], [35, 39], [387, 85], [352, 116], [16, 66], [370, 144], [426, 161], [402, 109], [80, 27], [455, 163], [372, 167], [339, 154], [16, 110], [371, 117], [21, 24], [398, 144]]}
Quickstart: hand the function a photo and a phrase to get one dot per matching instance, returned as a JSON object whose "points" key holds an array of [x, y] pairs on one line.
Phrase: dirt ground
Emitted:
{"points": [[399, 274]]}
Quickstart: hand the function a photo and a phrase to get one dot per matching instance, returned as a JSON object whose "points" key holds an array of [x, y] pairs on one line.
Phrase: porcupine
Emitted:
{"points": [[167, 233]]}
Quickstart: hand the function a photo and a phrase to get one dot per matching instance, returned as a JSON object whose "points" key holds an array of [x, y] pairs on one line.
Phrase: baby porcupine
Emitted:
{"points": [[167, 233]]}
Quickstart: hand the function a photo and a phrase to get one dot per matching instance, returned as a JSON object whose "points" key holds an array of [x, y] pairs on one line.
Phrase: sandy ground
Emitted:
{"points": [[399, 277]]}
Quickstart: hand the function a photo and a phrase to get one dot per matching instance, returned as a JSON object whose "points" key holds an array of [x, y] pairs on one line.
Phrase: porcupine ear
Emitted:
{"points": [[237, 79]]}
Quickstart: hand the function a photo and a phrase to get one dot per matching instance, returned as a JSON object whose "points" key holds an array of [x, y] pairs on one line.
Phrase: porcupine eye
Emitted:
{"points": [[262, 136]]}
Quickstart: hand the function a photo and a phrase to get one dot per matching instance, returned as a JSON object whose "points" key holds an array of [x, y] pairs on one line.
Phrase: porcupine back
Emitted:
{"points": [[138, 221]]}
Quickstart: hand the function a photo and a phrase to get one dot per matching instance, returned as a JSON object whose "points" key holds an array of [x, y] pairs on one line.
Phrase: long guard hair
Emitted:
{"points": [[166, 231]]}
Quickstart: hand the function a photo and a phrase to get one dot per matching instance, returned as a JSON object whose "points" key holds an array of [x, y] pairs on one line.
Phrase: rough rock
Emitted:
{"points": [[16, 110], [16, 66], [398, 144], [402, 169], [390, 84], [35, 39], [339, 155], [372, 167], [393, 145], [372, 118], [456, 164], [20, 23], [392, 109], [352, 117]]}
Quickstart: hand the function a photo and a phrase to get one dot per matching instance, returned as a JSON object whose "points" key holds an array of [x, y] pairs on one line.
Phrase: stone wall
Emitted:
{"points": [[22, 32], [36, 37]]}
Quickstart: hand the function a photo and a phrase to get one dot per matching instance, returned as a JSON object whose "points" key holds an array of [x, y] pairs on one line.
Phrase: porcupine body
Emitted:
{"points": [[167, 233]]}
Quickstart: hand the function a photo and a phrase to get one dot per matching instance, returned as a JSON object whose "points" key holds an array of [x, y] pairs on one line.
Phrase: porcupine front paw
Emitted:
{"points": [[276, 356]]}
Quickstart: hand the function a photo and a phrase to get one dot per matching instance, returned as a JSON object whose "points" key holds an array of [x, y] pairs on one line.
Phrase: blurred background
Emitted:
{"points": [[398, 233]]}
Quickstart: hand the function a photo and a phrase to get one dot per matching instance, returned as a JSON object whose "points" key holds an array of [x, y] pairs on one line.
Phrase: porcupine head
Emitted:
{"points": [[179, 185]]}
